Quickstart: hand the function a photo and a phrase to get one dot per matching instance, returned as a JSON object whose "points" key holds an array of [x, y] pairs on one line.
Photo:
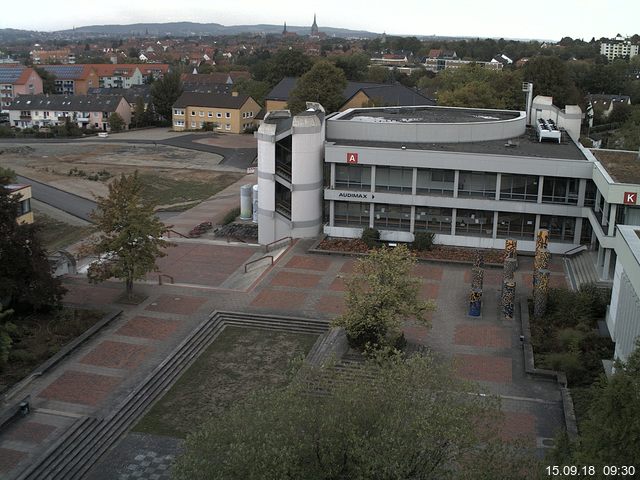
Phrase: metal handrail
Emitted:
{"points": [[164, 275], [169, 231], [574, 249], [266, 247], [257, 260]]}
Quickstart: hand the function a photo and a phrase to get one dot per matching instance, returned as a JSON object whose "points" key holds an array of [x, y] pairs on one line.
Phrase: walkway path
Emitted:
{"points": [[100, 374]]}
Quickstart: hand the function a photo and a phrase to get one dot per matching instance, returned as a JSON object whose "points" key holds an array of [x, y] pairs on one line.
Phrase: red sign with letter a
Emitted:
{"points": [[630, 198], [352, 158]]}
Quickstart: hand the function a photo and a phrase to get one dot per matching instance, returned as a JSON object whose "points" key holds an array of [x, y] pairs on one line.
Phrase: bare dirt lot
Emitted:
{"points": [[86, 169]]}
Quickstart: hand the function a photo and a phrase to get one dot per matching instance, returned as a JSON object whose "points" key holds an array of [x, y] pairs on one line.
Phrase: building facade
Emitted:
{"points": [[17, 80], [618, 48], [233, 113], [72, 79], [23, 194]]}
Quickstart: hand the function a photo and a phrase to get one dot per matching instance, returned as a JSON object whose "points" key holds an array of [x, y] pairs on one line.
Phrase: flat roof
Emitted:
{"points": [[622, 165], [525, 145], [427, 114]]}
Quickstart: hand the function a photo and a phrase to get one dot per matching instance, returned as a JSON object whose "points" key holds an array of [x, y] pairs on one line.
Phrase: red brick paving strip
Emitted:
{"points": [[9, 459], [279, 300], [309, 263], [415, 333], [348, 266], [491, 277], [484, 368], [555, 280], [331, 304], [32, 432], [80, 387], [295, 279], [427, 272], [116, 355], [91, 294], [482, 336], [518, 426], [430, 291], [178, 304], [148, 327], [337, 285]]}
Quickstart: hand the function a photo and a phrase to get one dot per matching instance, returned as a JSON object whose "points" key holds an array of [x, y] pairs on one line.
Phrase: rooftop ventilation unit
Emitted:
{"points": [[547, 130]]}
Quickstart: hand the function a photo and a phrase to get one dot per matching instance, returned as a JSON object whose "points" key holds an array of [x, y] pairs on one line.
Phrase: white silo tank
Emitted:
{"points": [[254, 192], [245, 202]]}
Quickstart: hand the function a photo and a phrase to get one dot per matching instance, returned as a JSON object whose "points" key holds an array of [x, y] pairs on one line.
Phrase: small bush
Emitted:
{"points": [[370, 236], [209, 126], [231, 216], [423, 241], [569, 363]]}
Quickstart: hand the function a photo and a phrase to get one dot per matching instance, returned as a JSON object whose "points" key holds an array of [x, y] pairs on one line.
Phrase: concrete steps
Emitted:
{"points": [[582, 271], [89, 438]]}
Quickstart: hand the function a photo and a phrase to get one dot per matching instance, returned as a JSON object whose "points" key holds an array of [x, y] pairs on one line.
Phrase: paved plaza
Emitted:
{"points": [[97, 377]]}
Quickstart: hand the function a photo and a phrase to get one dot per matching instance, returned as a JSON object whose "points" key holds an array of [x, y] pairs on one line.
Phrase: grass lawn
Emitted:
{"points": [[162, 190], [56, 235], [237, 362], [39, 337]]}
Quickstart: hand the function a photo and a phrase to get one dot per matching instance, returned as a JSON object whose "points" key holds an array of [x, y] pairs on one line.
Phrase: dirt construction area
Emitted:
{"points": [[87, 168]]}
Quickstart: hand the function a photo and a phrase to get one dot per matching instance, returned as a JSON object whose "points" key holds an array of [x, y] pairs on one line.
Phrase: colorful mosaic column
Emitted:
{"points": [[511, 249], [475, 302], [508, 298], [477, 277], [540, 262], [509, 268], [478, 261], [541, 293], [542, 240]]}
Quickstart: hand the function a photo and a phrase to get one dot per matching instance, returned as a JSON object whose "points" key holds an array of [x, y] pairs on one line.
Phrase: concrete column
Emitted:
{"points": [[607, 265], [600, 260], [540, 186], [596, 207], [332, 183], [498, 183], [332, 213], [577, 231], [371, 216], [412, 224], [454, 214], [582, 189], [613, 209], [495, 225], [373, 178], [414, 187], [537, 225], [605, 214], [456, 180]]}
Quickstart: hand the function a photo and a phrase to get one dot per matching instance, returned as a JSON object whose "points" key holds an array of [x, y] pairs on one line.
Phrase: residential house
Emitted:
{"points": [[401, 59], [16, 79], [72, 79], [87, 111], [233, 113], [218, 82], [356, 95], [118, 75], [23, 193], [502, 58], [63, 56], [131, 95], [605, 104]]}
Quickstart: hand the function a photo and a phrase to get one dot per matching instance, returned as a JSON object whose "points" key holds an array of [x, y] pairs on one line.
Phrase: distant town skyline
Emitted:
{"points": [[494, 18]]}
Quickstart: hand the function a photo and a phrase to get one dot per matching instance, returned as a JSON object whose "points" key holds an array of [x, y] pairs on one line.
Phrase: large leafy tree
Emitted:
{"points": [[550, 77], [165, 92], [397, 418], [380, 295], [130, 236], [48, 80], [324, 84], [26, 282], [285, 63]]}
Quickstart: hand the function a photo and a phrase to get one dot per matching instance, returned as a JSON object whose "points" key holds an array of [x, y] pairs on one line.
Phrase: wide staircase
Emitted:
{"points": [[582, 271]]}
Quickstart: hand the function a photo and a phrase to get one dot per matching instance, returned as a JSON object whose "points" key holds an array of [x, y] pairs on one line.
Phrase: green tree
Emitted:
{"points": [[550, 77], [285, 63], [398, 419], [380, 295], [116, 122], [26, 282], [475, 94], [165, 92], [324, 84], [255, 89], [378, 74], [48, 80], [6, 330], [130, 236], [139, 114], [355, 67]]}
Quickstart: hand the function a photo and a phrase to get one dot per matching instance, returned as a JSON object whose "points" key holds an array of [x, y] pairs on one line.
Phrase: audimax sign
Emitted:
{"points": [[360, 195]]}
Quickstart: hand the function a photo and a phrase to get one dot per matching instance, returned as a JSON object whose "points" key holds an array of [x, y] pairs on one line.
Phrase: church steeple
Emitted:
{"points": [[284, 31], [314, 27]]}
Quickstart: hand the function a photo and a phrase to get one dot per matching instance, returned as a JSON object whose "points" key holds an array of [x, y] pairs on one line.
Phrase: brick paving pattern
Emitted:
{"points": [[482, 336], [80, 387], [30, 432], [295, 279], [428, 272], [279, 300], [178, 304], [332, 304], [491, 277], [148, 466], [116, 355], [148, 327], [484, 368], [518, 426], [429, 291], [92, 294], [319, 264], [9, 459], [338, 285]]}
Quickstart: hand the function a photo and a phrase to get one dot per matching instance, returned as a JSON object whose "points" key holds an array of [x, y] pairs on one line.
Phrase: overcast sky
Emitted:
{"points": [[546, 19]]}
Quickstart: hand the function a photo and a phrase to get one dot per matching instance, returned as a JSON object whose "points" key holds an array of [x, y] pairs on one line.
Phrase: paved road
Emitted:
{"points": [[73, 204]]}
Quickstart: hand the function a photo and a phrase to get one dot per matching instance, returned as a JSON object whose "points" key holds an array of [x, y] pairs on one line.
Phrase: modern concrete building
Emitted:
{"points": [[619, 48]]}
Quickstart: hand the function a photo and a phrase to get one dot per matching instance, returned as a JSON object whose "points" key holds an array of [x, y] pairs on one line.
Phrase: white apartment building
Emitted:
{"points": [[618, 48]]}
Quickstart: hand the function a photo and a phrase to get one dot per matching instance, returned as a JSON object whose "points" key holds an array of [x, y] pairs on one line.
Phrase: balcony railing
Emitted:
{"points": [[284, 209], [283, 170]]}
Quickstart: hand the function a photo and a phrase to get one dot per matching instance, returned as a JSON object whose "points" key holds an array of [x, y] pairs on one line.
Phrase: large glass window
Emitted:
{"points": [[590, 194], [560, 190], [392, 217], [435, 181], [474, 222], [477, 184], [353, 177], [523, 188], [560, 228], [283, 158], [351, 214], [283, 200], [516, 225], [394, 179], [433, 219]]}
